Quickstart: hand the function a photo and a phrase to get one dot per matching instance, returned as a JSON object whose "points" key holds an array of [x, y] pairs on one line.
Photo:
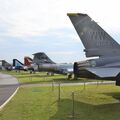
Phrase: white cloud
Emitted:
{"points": [[33, 17], [62, 53], [63, 56], [24, 19], [36, 17]]}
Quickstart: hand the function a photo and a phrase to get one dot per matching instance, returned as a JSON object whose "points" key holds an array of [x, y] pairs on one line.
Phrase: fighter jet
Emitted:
{"points": [[17, 65], [97, 43], [41, 62], [27, 62], [5, 65]]}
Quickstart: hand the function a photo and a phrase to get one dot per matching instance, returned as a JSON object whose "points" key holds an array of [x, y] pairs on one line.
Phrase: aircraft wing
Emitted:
{"points": [[104, 72]]}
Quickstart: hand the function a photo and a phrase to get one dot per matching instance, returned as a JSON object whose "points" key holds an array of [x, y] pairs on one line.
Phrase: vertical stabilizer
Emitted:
{"points": [[96, 41], [5, 65], [27, 61], [17, 63], [41, 57]]}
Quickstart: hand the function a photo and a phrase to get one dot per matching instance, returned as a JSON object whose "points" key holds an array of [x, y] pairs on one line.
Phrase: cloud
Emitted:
{"points": [[38, 17], [28, 26], [65, 56], [28, 18], [62, 53]]}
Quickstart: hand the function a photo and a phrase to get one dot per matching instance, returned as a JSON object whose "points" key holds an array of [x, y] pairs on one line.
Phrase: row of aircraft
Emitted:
{"points": [[97, 42], [41, 62]]}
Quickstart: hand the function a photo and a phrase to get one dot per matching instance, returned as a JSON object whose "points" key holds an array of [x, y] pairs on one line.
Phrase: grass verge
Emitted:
{"points": [[41, 103], [42, 77]]}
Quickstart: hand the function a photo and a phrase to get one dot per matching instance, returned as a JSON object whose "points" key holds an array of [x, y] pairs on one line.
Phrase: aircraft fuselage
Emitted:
{"points": [[57, 68]]}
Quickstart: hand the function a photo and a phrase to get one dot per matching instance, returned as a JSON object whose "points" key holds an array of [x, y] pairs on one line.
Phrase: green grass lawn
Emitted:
{"points": [[41, 103], [42, 77]]}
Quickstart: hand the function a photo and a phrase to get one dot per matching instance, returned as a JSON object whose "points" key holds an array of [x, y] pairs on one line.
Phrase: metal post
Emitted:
{"points": [[72, 116], [84, 84], [44, 79], [53, 85], [30, 78], [97, 83], [73, 108], [59, 91]]}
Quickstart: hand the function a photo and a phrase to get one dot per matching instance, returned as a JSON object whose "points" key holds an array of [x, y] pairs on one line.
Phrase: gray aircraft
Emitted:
{"points": [[97, 43], [5, 65], [41, 62]]}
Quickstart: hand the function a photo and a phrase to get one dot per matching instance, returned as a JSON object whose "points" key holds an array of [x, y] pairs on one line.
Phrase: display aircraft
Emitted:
{"points": [[27, 62], [5, 65], [17, 65], [41, 62], [97, 43]]}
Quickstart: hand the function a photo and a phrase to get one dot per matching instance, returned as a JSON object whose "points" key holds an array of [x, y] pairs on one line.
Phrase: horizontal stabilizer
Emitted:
{"points": [[104, 72]]}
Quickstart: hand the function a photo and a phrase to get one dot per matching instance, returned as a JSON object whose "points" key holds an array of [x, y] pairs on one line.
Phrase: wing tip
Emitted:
{"points": [[76, 14]]}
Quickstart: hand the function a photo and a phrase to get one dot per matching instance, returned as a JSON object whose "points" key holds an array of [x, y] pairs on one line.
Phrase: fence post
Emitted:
{"points": [[30, 78], [52, 85], [84, 85], [72, 115], [73, 106], [59, 91], [97, 83]]}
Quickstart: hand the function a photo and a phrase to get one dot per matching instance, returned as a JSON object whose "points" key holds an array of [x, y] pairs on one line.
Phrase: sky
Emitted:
{"points": [[30, 26]]}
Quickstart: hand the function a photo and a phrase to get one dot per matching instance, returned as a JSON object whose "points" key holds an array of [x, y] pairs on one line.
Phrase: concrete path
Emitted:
{"points": [[8, 87], [66, 84]]}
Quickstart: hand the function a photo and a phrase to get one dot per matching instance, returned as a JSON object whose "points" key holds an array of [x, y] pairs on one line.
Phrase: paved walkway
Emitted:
{"points": [[66, 84], [8, 86]]}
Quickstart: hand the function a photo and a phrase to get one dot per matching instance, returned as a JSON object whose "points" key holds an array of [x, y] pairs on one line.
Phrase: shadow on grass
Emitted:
{"points": [[115, 95], [84, 111]]}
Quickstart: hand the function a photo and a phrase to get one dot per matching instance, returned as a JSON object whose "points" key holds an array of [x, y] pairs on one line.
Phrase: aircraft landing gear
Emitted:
{"points": [[69, 76], [32, 71]]}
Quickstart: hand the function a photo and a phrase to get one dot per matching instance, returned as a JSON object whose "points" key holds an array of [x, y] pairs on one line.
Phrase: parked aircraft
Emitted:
{"points": [[17, 65], [97, 43], [41, 62], [27, 62], [5, 65]]}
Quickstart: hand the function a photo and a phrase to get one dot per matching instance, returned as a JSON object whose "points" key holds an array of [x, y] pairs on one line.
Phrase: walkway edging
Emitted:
{"points": [[3, 105]]}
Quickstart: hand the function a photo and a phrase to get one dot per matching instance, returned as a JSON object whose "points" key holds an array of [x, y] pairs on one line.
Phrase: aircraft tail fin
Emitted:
{"points": [[17, 63], [5, 63], [27, 61], [41, 57], [96, 41]]}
